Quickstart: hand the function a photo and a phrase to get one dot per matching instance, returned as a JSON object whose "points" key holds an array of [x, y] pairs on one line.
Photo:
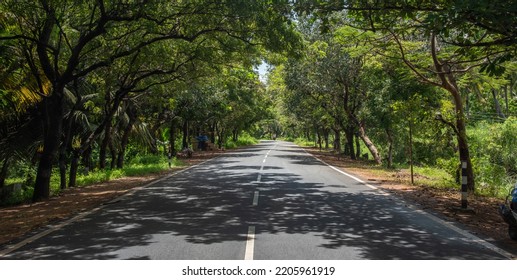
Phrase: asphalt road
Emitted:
{"points": [[271, 201]]}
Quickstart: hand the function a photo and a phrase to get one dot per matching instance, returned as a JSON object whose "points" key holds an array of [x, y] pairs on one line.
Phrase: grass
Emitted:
{"points": [[303, 142], [244, 140], [423, 176], [139, 166], [430, 176]]}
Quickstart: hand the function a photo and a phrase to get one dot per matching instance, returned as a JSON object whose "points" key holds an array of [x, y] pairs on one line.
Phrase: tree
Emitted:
{"points": [[442, 67], [335, 81], [67, 40]]}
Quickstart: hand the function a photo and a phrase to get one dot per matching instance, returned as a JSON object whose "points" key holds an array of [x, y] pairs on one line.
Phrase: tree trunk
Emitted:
{"points": [[467, 105], [64, 147], [125, 140], [221, 140], [349, 135], [337, 141], [235, 135], [212, 132], [448, 82], [172, 138], [506, 98], [463, 145], [369, 144], [184, 143], [498, 109], [3, 173], [52, 113], [357, 146], [74, 165], [411, 151], [104, 145], [390, 148], [113, 153], [366, 140], [326, 138], [62, 168], [319, 138]]}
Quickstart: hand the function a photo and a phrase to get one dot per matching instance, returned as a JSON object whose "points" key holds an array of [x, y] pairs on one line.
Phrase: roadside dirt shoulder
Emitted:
{"points": [[17, 221], [484, 220]]}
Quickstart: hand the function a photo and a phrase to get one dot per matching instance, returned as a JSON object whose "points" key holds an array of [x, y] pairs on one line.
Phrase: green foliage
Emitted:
{"points": [[495, 155], [244, 140], [492, 179], [437, 176], [301, 141], [149, 69], [450, 166], [141, 165], [99, 176]]}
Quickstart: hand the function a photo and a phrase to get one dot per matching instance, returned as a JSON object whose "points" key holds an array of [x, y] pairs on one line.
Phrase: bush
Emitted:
{"points": [[491, 179], [148, 159], [494, 156], [451, 166], [140, 165], [244, 140], [300, 141]]}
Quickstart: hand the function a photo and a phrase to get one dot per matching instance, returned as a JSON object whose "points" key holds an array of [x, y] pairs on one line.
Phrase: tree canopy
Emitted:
{"points": [[89, 84]]}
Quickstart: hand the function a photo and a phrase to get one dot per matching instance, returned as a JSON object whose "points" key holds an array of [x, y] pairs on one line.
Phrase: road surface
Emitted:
{"points": [[272, 201]]}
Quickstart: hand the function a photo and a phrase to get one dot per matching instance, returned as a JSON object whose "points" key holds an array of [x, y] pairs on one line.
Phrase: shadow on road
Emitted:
{"points": [[207, 206]]}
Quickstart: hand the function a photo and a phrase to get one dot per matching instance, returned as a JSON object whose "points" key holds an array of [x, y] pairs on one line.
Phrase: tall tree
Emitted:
{"points": [[66, 40]]}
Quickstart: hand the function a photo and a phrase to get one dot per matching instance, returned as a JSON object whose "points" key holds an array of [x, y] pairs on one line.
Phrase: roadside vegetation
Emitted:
{"points": [[97, 90], [407, 85], [21, 191], [91, 91]]}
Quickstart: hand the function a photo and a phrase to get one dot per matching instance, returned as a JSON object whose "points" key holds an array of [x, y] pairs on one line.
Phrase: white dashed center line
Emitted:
{"points": [[255, 198], [250, 243]]}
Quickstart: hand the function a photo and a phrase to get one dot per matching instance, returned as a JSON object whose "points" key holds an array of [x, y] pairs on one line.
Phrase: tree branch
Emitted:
{"points": [[409, 64]]}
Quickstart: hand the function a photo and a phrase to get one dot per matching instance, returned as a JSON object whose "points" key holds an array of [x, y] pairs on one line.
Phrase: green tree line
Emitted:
{"points": [[88, 79], [89, 84], [408, 78]]}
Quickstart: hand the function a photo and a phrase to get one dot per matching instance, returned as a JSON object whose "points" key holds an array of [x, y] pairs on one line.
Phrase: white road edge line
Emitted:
{"points": [[467, 235], [82, 215], [250, 244]]}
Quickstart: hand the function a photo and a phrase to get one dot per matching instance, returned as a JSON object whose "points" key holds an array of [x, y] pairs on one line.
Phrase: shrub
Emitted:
{"points": [[244, 140]]}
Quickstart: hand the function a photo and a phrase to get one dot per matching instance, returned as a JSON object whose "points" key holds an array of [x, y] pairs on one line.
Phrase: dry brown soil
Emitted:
{"points": [[482, 219], [16, 222]]}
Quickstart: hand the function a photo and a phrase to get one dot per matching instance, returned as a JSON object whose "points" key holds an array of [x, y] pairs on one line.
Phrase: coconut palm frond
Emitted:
{"points": [[70, 97], [142, 134], [81, 120], [20, 137]]}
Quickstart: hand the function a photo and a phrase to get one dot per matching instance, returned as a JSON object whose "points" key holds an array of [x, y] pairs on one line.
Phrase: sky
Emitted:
{"points": [[262, 69]]}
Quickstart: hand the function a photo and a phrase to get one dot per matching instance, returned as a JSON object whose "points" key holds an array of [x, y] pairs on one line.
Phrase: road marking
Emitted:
{"points": [[250, 243], [82, 215], [259, 177], [351, 176], [255, 198], [467, 235]]}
